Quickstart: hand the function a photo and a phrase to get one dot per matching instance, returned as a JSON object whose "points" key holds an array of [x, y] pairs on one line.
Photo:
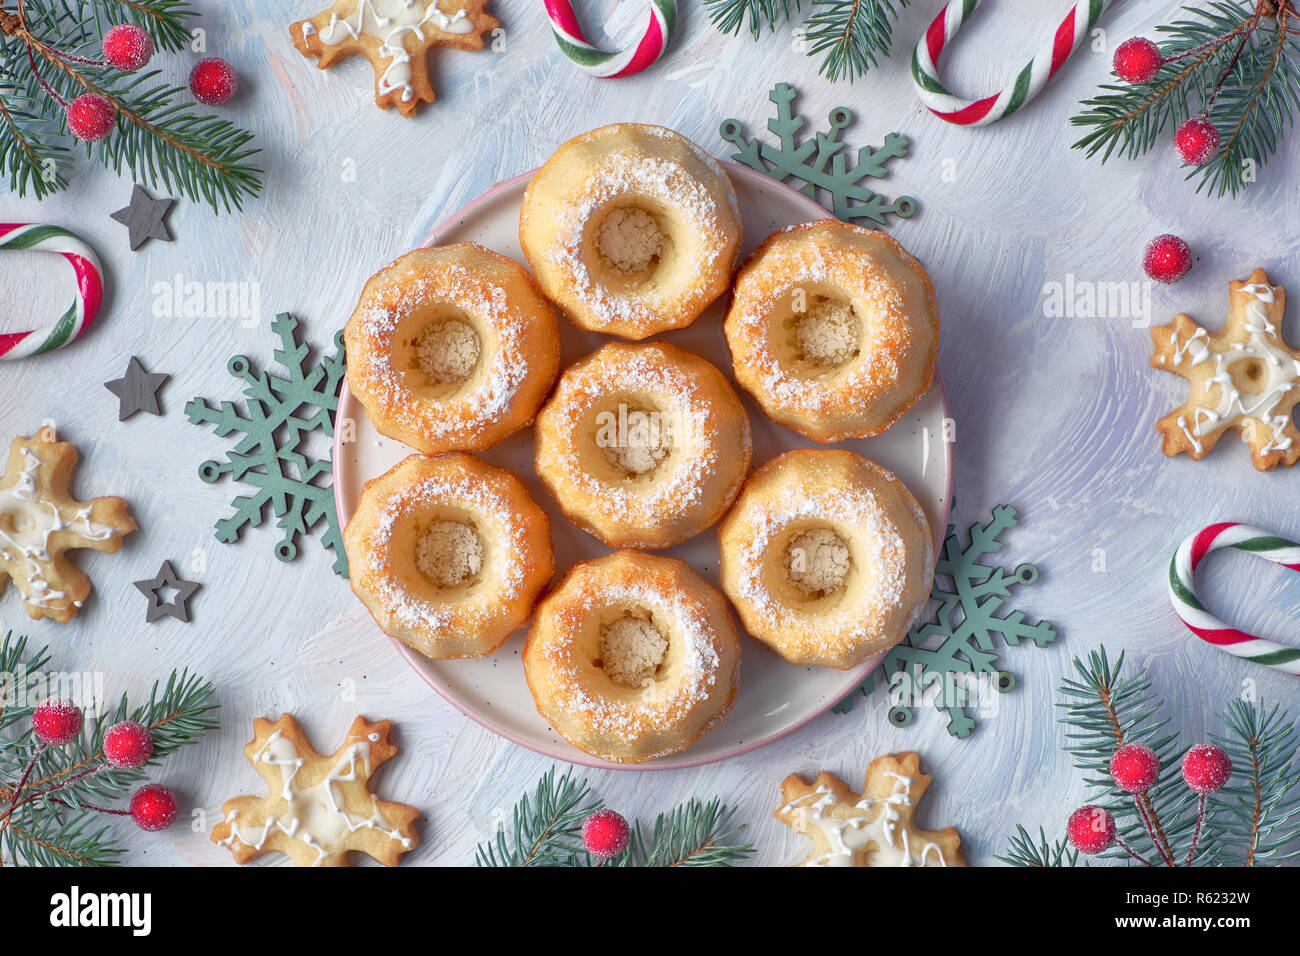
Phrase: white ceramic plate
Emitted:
{"points": [[775, 697]]}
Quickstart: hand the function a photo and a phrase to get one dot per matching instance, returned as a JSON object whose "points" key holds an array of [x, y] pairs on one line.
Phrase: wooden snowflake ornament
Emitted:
{"points": [[320, 807], [1245, 378], [396, 36], [40, 521], [874, 828]]}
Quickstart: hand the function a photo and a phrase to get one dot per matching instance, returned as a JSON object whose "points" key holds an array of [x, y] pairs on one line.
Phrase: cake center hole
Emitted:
{"points": [[817, 562], [633, 438], [631, 650], [449, 554], [827, 333], [447, 351], [630, 240]]}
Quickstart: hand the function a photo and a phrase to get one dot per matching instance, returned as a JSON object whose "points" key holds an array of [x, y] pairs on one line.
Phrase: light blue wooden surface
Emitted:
{"points": [[1055, 416]]}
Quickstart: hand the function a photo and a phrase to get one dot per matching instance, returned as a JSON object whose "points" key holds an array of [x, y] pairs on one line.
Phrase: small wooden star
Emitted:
{"points": [[178, 607], [137, 390], [143, 217]]}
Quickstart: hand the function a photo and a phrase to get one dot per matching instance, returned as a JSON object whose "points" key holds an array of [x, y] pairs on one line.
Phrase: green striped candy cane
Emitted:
{"points": [[654, 40], [16, 236], [1182, 591]]}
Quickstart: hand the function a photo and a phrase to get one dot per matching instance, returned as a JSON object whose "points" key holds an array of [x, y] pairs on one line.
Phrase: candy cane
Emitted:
{"points": [[1182, 591], [90, 288], [653, 42], [954, 109]]}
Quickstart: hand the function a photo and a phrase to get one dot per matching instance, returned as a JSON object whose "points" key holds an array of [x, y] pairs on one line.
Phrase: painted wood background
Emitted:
{"points": [[1055, 415]]}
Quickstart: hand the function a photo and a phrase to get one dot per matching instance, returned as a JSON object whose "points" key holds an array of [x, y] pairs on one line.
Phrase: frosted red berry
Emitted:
{"points": [[1135, 768], [57, 721], [128, 745], [1197, 141], [1206, 768], [1137, 60], [128, 47], [153, 807], [1167, 258], [91, 117], [1091, 830], [605, 834], [213, 81]]}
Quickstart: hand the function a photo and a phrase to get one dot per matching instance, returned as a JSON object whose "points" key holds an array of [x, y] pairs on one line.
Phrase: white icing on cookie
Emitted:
{"points": [[391, 21], [890, 843]]}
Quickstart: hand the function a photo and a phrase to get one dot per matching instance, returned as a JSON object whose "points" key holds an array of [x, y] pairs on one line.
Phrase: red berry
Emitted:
{"points": [[1138, 60], [1167, 258], [1090, 830], [127, 745], [153, 807], [1206, 768], [91, 117], [128, 47], [213, 81], [1135, 768], [56, 721], [1197, 141], [605, 834]]}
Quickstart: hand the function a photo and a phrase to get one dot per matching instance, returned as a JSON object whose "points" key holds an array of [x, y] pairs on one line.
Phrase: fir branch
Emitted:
{"points": [[50, 841], [693, 834], [49, 56], [1238, 65], [730, 16], [1254, 821], [853, 34], [545, 831], [1023, 851]]}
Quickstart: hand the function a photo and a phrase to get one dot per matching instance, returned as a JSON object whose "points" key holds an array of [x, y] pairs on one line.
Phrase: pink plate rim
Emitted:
{"points": [[679, 761]]}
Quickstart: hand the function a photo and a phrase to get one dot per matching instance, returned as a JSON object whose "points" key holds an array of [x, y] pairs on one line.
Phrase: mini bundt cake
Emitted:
{"points": [[643, 445], [449, 554], [827, 557], [451, 348], [632, 657], [833, 329], [631, 230]]}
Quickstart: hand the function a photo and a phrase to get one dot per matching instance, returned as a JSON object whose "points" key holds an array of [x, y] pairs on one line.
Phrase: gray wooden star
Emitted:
{"points": [[143, 217], [137, 390], [153, 588]]}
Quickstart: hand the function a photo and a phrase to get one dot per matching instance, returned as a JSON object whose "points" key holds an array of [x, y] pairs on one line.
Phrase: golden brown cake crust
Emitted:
{"points": [[886, 567], [631, 229], [469, 618], [829, 385], [694, 684], [513, 349], [653, 407]]}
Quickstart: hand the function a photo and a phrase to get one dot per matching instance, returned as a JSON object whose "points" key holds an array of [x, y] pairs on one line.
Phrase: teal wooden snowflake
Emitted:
{"points": [[952, 661], [280, 417], [821, 163]]}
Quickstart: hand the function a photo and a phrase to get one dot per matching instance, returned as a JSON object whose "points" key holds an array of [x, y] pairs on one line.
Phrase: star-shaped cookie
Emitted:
{"points": [[396, 36], [320, 807], [874, 828], [1244, 378], [40, 521]]}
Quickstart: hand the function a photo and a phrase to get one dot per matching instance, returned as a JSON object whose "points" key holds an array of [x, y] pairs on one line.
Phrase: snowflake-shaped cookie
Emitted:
{"points": [[874, 828], [40, 521], [320, 807], [1245, 378], [396, 36]]}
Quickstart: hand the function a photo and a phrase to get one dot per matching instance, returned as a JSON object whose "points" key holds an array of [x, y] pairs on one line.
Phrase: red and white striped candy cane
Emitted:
{"points": [[1029, 81], [654, 40], [84, 308], [1182, 591]]}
